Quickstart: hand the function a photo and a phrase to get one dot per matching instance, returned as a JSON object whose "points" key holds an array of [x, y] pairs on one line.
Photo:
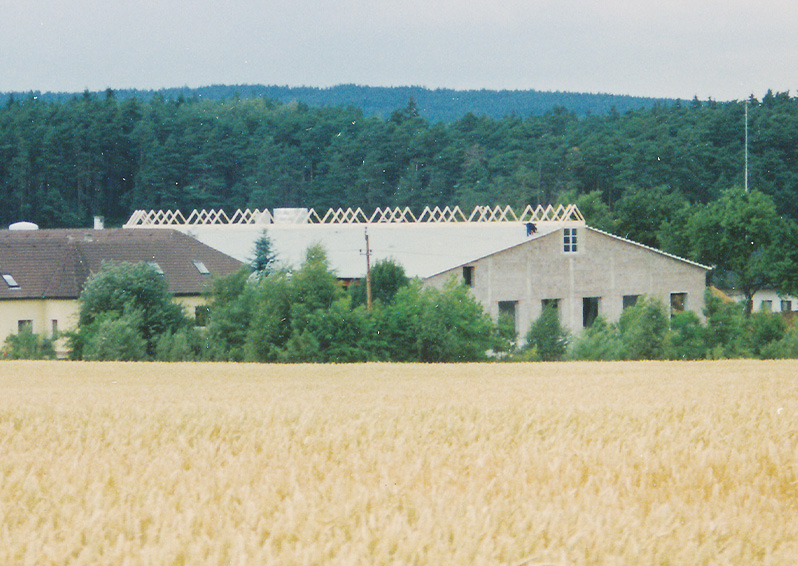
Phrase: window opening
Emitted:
{"points": [[590, 311], [786, 306], [569, 240], [468, 275], [766, 306], [508, 309], [678, 303], [10, 281], [202, 315], [24, 326], [630, 301], [54, 328], [551, 303]]}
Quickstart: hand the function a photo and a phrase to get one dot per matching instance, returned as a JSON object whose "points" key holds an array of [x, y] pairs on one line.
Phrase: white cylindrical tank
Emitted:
{"points": [[23, 226]]}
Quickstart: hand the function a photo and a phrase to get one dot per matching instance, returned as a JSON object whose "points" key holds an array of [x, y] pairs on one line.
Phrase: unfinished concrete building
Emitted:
{"points": [[513, 263]]}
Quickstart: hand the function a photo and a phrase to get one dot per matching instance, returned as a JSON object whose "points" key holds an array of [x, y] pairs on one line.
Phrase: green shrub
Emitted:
{"points": [[600, 342], [181, 346], [773, 351], [452, 326], [335, 334], [644, 330], [27, 346], [116, 338], [426, 324], [548, 336], [387, 277], [767, 330], [526, 354], [727, 334], [787, 347], [687, 337], [124, 288], [507, 335]]}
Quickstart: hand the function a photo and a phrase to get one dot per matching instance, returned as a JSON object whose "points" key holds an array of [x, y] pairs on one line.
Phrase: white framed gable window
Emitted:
{"points": [[570, 240]]}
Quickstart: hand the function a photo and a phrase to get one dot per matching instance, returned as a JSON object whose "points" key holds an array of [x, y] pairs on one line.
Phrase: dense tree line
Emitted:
{"points": [[435, 105], [62, 162]]}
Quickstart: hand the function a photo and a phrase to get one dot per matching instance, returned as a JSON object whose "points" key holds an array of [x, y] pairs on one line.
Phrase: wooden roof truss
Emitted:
{"points": [[480, 214]]}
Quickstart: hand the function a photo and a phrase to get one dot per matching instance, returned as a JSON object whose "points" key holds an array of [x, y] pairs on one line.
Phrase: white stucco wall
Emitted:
{"points": [[42, 313], [768, 300]]}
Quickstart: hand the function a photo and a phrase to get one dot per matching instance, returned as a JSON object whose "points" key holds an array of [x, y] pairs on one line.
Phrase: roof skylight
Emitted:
{"points": [[155, 266], [201, 267], [10, 281]]}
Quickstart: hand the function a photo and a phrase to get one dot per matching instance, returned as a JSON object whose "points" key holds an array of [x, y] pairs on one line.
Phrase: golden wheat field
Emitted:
{"points": [[506, 464]]}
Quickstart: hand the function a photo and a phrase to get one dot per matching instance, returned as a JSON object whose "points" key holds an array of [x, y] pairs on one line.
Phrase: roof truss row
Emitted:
{"points": [[172, 218]]}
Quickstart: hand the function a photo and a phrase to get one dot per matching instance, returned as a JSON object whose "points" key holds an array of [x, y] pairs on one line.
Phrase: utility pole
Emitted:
{"points": [[368, 272]]}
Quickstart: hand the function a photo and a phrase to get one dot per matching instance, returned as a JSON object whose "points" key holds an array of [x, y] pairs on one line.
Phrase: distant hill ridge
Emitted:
{"points": [[436, 105]]}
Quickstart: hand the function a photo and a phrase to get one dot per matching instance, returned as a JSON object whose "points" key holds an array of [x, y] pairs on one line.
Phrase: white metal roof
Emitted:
{"points": [[436, 240]]}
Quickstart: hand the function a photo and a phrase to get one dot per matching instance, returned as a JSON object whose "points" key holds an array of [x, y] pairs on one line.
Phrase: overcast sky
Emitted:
{"points": [[723, 49]]}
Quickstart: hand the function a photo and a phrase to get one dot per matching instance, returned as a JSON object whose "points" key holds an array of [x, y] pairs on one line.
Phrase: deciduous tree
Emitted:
{"points": [[135, 292], [745, 239]]}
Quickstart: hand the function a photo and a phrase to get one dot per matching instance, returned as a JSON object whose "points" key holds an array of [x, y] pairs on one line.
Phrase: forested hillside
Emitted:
{"points": [[435, 105], [62, 162]]}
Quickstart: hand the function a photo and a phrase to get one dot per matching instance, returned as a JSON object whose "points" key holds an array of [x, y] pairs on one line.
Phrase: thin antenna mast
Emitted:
{"points": [[746, 145]]}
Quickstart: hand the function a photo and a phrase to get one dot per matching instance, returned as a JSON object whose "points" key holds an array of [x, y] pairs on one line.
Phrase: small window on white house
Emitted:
{"points": [[54, 328], [155, 266], [201, 267], [766, 306], [569, 240], [786, 306], [10, 281], [24, 326]]}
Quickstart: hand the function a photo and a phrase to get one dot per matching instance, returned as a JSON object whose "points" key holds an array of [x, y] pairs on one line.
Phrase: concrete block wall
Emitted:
{"points": [[604, 266]]}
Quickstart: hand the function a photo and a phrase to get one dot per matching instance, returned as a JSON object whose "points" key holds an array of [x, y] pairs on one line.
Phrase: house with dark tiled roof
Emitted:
{"points": [[42, 272]]}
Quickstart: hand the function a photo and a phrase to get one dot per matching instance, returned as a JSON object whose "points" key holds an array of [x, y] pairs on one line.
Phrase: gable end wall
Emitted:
{"points": [[604, 266]]}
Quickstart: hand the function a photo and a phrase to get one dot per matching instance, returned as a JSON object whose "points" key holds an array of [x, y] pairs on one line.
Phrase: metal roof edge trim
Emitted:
{"points": [[649, 248]]}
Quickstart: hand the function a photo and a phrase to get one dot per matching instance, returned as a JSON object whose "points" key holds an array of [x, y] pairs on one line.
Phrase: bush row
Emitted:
{"points": [[126, 313], [644, 332]]}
